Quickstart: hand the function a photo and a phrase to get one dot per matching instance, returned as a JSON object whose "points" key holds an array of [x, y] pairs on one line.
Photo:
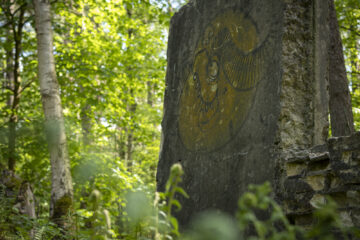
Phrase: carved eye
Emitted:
{"points": [[212, 70]]}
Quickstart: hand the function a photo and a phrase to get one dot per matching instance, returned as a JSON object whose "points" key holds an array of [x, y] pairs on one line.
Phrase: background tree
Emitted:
{"points": [[348, 15], [93, 51], [341, 116], [62, 189], [14, 19]]}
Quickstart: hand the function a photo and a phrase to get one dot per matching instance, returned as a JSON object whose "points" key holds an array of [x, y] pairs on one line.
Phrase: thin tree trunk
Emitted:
{"points": [[10, 99], [121, 143], [149, 93], [85, 113], [355, 71], [341, 116], [61, 187], [130, 106], [16, 90], [129, 149], [130, 135], [13, 74], [86, 124]]}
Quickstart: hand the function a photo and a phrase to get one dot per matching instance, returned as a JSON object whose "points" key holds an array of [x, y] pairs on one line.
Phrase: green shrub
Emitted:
{"points": [[151, 217]]}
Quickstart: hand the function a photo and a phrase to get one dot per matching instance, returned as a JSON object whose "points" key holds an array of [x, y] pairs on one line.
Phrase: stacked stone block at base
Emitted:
{"points": [[330, 170]]}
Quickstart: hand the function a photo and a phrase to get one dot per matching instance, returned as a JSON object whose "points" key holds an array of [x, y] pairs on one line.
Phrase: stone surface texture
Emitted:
{"points": [[332, 169], [246, 83]]}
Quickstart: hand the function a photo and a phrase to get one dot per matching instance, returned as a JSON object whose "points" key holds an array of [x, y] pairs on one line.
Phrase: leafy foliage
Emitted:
{"points": [[14, 225], [144, 220], [258, 199], [168, 197]]}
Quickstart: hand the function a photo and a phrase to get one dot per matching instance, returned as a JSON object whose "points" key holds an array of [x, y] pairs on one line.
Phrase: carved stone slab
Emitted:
{"points": [[240, 87]]}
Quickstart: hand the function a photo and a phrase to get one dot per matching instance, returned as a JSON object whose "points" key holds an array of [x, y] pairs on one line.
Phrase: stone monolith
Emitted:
{"points": [[246, 80]]}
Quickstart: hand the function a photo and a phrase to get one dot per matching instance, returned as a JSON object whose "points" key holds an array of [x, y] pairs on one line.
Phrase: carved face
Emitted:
{"points": [[219, 89]]}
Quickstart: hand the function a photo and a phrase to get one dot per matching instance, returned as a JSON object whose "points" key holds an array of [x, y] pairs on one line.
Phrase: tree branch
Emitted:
{"points": [[353, 72], [28, 19], [355, 31], [20, 8], [5, 24], [26, 85], [8, 88]]}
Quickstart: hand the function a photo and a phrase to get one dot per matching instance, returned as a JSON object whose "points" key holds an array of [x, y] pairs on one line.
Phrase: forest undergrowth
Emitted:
{"points": [[151, 216]]}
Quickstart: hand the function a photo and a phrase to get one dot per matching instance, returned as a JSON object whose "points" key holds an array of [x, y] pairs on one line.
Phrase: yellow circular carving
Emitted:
{"points": [[219, 90]]}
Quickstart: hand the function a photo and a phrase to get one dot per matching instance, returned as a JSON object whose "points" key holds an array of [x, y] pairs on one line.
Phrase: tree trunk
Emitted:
{"points": [[355, 71], [16, 90], [130, 134], [121, 143], [86, 124], [14, 34], [61, 187], [129, 148], [25, 199], [149, 93], [26, 204], [131, 106], [10, 100], [341, 116]]}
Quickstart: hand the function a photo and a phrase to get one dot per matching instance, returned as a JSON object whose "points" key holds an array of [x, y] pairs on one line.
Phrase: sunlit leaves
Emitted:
{"points": [[110, 63]]}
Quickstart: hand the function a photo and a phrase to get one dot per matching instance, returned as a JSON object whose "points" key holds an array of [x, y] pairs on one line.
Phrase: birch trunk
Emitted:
{"points": [[61, 186]]}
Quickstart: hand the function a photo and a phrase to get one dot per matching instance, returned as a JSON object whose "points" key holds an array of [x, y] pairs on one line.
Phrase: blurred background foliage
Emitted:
{"points": [[110, 61]]}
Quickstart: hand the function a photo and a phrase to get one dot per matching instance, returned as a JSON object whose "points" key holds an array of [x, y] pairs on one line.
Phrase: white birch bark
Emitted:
{"points": [[61, 188]]}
